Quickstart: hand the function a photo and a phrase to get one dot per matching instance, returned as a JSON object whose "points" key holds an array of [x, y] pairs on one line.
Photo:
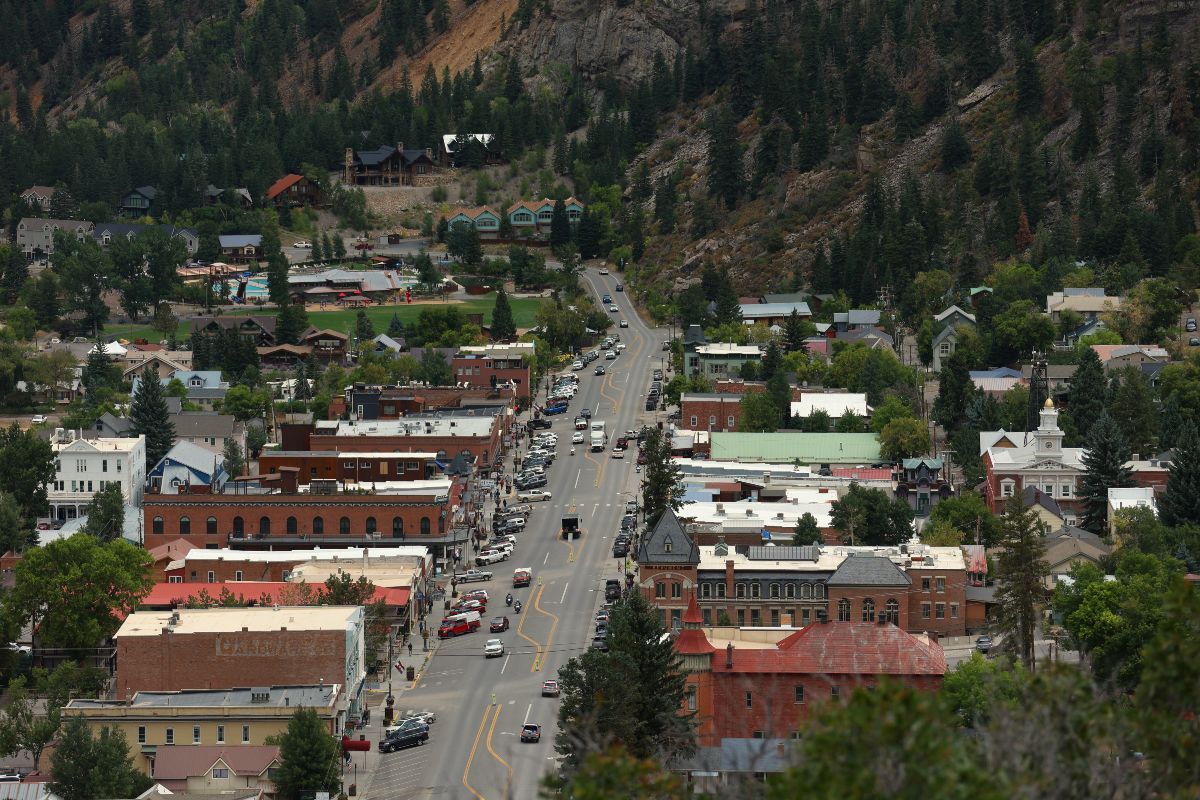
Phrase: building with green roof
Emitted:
{"points": [[788, 447]]}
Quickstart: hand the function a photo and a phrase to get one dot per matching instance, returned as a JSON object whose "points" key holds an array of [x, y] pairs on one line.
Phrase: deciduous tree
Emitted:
{"points": [[87, 767], [308, 758], [871, 517], [662, 488], [106, 513]]}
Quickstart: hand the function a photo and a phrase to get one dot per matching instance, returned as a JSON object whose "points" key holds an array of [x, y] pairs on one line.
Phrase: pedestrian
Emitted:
{"points": [[410, 648]]}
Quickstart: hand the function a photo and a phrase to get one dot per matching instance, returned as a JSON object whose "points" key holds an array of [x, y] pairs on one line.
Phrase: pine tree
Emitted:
{"points": [[308, 757], [95, 377], [277, 267], [795, 332], [504, 329], [664, 205], [587, 234], [1134, 412], [1104, 469], [956, 150], [560, 225], [1085, 394], [724, 157], [395, 327], [364, 329], [339, 246], [106, 513], [1020, 574], [1030, 92], [318, 249], [151, 419], [291, 322], [728, 311], [1180, 505]]}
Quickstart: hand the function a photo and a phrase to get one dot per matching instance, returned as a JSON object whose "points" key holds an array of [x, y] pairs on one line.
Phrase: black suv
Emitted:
{"points": [[408, 737], [612, 589], [534, 424]]}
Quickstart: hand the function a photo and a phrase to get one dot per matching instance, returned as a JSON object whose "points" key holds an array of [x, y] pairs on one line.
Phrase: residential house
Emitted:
{"points": [[188, 467], [485, 220], [767, 682], [163, 362], [1086, 303], [996, 381], [693, 337], [945, 341], [110, 426], [922, 485], [233, 771], [1058, 379], [954, 316], [496, 365], [1039, 460], [325, 286], [386, 166], [386, 345], [452, 143], [38, 197], [84, 466], [210, 431], [523, 217], [240, 196], [106, 232], [283, 356], [719, 360], [1047, 509], [259, 329], [772, 313], [1119, 356], [233, 717], [1129, 498], [855, 319], [139, 202], [293, 191], [327, 345], [241, 248], [814, 299], [1068, 546], [205, 388], [35, 235]]}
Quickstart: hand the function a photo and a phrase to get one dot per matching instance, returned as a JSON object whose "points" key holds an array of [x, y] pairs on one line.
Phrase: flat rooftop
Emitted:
{"points": [[458, 425], [342, 555], [308, 695], [828, 558], [408, 454], [237, 620]]}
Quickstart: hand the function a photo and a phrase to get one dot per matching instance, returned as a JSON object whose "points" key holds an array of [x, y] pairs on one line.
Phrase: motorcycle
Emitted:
{"points": [[508, 600], [572, 451], [517, 607]]}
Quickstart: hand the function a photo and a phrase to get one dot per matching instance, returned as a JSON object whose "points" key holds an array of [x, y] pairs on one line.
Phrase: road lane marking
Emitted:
{"points": [[547, 558], [532, 641], [471, 756], [528, 711], [564, 597], [504, 666], [495, 755], [537, 604], [577, 476]]}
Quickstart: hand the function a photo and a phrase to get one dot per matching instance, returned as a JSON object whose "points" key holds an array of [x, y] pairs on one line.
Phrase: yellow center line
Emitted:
{"points": [[521, 631], [471, 756], [537, 604], [491, 750]]}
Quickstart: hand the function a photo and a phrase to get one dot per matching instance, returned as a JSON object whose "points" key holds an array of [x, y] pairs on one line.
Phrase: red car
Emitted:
{"points": [[457, 628], [499, 625]]}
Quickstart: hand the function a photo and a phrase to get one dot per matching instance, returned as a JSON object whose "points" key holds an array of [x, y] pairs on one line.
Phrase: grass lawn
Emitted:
{"points": [[524, 310]]}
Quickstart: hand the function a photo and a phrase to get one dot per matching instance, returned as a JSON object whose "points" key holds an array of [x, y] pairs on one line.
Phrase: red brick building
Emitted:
{"points": [[478, 435], [496, 364], [394, 402], [421, 515], [351, 467], [710, 411], [743, 683]]}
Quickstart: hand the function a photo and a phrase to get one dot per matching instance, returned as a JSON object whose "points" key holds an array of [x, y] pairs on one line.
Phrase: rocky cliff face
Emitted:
{"points": [[600, 39]]}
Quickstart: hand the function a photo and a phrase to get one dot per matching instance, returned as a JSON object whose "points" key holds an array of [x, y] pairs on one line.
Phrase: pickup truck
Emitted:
{"points": [[522, 576], [490, 557], [473, 575], [457, 627]]}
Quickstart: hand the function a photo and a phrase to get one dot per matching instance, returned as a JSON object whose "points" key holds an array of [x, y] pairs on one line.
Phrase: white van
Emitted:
{"points": [[465, 616]]}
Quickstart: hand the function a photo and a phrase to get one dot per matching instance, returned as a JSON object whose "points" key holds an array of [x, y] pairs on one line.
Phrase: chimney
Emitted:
{"points": [[729, 572], [729, 656], [429, 153], [400, 146]]}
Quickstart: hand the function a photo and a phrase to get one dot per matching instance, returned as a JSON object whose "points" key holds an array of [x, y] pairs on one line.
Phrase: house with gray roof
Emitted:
{"points": [[187, 464], [773, 313], [107, 232], [859, 569], [208, 430], [241, 247], [856, 319], [35, 235], [204, 387], [139, 202]]}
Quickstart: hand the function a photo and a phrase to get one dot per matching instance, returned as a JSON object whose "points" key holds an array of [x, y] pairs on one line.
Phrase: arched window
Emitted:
{"points": [[157, 525], [292, 526], [185, 526], [892, 611], [264, 526], [806, 590], [774, 591], [755, 590], [239, 526], [868, 610], [424, 526], [843, 610], [442, 522], [370, 525], [397, 527], [211, 525], [789, 591], [319, 525], [739, 590], [344, 526], [820, 591]]}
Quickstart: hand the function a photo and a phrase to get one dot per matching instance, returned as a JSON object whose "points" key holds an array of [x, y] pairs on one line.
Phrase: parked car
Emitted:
{"points": [[425, 717], [577, 365], [612, 589], [1193, 342], [551, 689], [303, 245], [472, 575], [533, 495], [618, 452], [1190, 325], [476, 594], [490, 557], [38, 419], [498, 625], [531, 733], [611, 355], [539, 424], [620, 550], [413, 737], [493, 648], [604, 270], [600, 643], [983, 644]]}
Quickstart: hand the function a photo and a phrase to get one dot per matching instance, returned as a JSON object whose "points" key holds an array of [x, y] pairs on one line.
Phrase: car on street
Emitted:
{"points": [[531, 733], [473, 575], [620, 550], [577, 438], [476, 594], [577, 365], [600, 369], [657, 375], [551, 689], [602, 628], [493, 557], [983, 644], [303, 245], [412, 737], [498, 625], [457, 627], [463, 606], [611, 355], [1193, 342], [38, 419], [607, 299], [493, 648], [624, 324], [612, 589], [1190, 325], [600, 643], [613, 308], [619, 288], [533, 495], [424, 717], [602, 614], [538, 424], [604, 270], [618, 452]]}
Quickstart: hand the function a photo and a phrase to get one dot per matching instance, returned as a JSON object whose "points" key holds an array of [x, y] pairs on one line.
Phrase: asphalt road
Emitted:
{"points": [[474, 749]]}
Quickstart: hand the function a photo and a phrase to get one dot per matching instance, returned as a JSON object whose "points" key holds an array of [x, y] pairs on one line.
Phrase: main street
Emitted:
{"points": [[474, 749]]}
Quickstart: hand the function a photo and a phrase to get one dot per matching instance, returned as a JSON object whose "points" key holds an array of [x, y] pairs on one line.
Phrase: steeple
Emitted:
{"points": [[1048, 438]]}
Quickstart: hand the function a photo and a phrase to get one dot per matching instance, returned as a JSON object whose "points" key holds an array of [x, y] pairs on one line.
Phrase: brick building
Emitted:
{"points": [[476, 433], [218, 648], [763, 683], [394, 402], [351, 467], [710, 411], [231, 565], [918, 588], [391, 514], [496, 364], [1038, 459]]}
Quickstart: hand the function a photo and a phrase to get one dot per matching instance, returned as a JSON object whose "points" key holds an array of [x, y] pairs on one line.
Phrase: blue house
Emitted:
{"points": [[204, 388], [188, 465], [485, 220]]}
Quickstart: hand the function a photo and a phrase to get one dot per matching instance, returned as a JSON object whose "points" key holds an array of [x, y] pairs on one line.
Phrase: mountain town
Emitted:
{"points": [[834, 369]]}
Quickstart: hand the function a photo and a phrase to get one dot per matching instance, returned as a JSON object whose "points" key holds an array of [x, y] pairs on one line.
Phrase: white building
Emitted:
{"points": [[1132, 497], [1015, 461], [835, 404], [82, 467]]}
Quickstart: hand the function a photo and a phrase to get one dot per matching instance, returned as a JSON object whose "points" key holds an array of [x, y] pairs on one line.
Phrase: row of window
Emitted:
{"points": [[293, 527], [939, 582], [805, 616], [939, 610], [730, 421], [196, 739], [83, 486], [753, 590], [1007, 488], [890, 613], [81, 465]]}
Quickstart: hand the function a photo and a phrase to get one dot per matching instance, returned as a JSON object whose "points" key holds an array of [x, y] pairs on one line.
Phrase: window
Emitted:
{"points": [[939, 610], [799, 694], [707, 615], [774, 618], [104, 465], [170, 736], [720, 591], [141, 734], [239, 526], [805, 616], [195, 734], [237, 575], [892, 611], [843, 610], [757, 734], [1066, 490], [774, 591], [344, 525], [924, 584], [868, 610], [424, 526], [819, 591], [944, 348], [739, 590], [712, 420], [210, 527], [264, 526], [245, 734], [940, 582], [835, 692], [693, 420], [212, 576], [175, 579], [741, 617], [397, 527], [755, 591], [676, 590], [118, 466], [291, 525], [660, 589], [806, 591], [220, 772], [954, 611], [371, 527], [691, 698], [80, 465], [749, 699], [319, 526], [1006, 488], [706, 590], [754, 619], [924, 610], [185, 526], [157, 525]]}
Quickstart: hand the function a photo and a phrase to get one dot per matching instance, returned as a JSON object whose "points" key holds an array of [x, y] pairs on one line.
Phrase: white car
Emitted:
{"points": [[618, 452], [490, 557], [613, 308], [577, 365], [533, 495], [493, 648], [604, 271], [303, 245], [620, 346], [38, 419], [611, 355], [577, 438], [624, 324], [428, 717]]}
